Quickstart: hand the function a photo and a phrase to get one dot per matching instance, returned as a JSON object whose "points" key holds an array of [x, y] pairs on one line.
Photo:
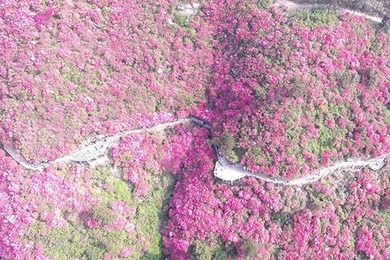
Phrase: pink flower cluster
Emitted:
{"points": [[139, 155]]}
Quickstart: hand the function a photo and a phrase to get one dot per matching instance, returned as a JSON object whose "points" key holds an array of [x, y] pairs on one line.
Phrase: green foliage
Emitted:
{"points": [[375, 44], [319, 198], [113, 241], [260, 91], [258, 4], [159, 104], [115, 189], [239, 152], [259, 154], [72, 73], [122, 191], [257, 151], [221, 253], [92, 253], [385, 216], [386, 116], [372, 75], [341, 213], [349, 79], [77, 241], [324, 142], [281, 218], [103, 214], [294, 115], [338, 110], [229, 142], [152, 214], [208, 249], [297, 87], [190, 100], [181, 19], [36, 230], [315, 18], [264, 4], [203, 250], [294, 133], [232, 156], [326, 135], [250, 248], [228, 145], [64, 243], [386, 30]]}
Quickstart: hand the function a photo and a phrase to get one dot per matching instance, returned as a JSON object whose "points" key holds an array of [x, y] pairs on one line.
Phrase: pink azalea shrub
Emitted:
{"points": [[139, 155], [288, 99]]}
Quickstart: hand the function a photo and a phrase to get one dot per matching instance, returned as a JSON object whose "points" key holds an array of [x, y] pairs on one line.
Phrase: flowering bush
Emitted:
{"points": [[138, 156]]}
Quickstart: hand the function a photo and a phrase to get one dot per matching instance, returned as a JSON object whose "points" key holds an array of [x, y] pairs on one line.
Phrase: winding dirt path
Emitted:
{"points": [[95, 153], [231, 172], [291, 5]]}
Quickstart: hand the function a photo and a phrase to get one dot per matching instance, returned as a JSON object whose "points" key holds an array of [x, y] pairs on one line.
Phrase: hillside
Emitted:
{"points": [[114, 115]]}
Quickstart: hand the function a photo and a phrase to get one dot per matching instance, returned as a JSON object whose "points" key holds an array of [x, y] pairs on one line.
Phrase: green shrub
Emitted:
{"points": [[386, 116], [324, 142], [250, 248], [181, 19], [152, 214], [60, 243], [92, 253], [203, 250], [315, 18], [207, 250], [122, 191], [114, 241], [260, 154], [102, 214], [220, 253], [260, 91], [349, 79], [264, 4], [227, 144]]}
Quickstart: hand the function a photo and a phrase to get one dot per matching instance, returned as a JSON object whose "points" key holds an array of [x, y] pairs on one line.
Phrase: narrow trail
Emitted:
{"points": [[95, 152], [291, 5], [231, 172]]}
